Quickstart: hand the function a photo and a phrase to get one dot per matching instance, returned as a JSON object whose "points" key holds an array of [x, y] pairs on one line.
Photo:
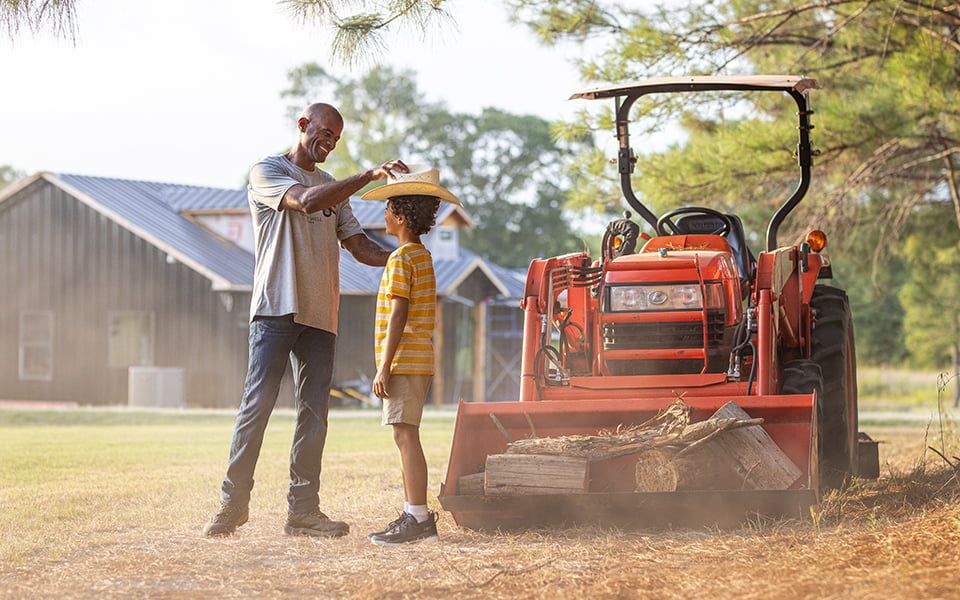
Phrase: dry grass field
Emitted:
{"points": [[120, 516]]}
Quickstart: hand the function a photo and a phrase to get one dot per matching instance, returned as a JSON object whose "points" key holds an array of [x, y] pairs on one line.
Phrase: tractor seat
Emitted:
{"points": [[746, 262]]}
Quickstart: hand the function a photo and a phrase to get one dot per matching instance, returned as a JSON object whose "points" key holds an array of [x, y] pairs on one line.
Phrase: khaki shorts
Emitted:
{"points": [[408, 394]]}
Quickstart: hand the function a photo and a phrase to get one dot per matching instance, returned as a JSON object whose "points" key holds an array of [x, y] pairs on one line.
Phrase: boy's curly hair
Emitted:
{"points": [[419, 211]]}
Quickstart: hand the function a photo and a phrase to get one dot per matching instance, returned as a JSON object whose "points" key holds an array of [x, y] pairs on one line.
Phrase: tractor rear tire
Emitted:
{"points": [[801, 377], [832, 347], [804, 377]]}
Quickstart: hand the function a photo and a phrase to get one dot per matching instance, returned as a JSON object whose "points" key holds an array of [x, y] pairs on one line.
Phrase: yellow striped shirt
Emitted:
{"points": [[409, 274]]}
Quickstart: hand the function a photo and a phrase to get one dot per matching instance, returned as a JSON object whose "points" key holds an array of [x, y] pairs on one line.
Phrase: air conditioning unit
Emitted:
{"points": [[155, 387]]}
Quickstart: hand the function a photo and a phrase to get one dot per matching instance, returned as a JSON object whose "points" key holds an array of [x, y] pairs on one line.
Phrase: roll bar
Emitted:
{"points": [[628, 93]]}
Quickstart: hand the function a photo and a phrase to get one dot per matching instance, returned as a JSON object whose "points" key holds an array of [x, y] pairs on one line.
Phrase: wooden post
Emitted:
{"points": [[480, 352]]}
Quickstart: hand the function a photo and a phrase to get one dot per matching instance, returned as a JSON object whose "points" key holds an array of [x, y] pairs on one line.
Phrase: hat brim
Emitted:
{"points": [[410, 188]]}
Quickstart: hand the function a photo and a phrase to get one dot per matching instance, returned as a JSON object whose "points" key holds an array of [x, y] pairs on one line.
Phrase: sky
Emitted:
{"points": [[189, 92]]}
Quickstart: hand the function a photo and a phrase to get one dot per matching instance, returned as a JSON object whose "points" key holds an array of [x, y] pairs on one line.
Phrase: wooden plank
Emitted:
{"points": [[753, 455], [525, 474], [471, 485]]}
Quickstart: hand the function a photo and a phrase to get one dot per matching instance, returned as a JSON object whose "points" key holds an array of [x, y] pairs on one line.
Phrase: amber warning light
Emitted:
{"points": [[817, 240]]}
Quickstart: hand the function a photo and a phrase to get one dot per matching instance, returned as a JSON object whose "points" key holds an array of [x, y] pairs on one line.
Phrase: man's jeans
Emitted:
{"points": [[311, 354]]}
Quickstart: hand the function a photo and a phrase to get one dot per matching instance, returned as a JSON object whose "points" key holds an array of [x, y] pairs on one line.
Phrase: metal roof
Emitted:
{"points": [[159, 213], [370, 213], [152, 211], [359, 279]]}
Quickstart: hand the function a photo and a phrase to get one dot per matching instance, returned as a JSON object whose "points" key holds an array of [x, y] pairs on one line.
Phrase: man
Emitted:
{"points": [[299, 214]]}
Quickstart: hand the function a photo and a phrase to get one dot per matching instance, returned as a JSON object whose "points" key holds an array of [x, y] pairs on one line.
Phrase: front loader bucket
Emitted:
{"points": [[609, 496]]}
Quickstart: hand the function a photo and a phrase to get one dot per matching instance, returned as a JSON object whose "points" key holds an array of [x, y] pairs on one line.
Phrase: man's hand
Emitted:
{"points": [[312, 199], [389, 169]]}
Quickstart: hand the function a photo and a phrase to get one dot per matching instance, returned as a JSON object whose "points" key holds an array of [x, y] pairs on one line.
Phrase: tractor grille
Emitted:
{"points": [[664, 335], [656, 366], [667, 335]]}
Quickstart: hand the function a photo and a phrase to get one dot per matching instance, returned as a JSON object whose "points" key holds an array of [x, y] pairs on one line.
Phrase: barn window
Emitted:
{"points": [[36, 345], [130, 338]]}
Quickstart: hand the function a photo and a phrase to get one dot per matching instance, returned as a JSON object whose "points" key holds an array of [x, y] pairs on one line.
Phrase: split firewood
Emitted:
{"points": [[670, 427], [754, 456], [725, 451]]}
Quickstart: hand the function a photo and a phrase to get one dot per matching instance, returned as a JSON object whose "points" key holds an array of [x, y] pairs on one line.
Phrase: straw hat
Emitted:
{"points": [[422, 180]]}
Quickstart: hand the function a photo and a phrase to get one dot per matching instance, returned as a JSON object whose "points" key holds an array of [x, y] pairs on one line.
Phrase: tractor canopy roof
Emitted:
{"points": [[784, 83]]}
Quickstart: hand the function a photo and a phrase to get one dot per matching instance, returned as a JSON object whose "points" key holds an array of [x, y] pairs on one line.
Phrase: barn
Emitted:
{"points": [[124, 292]]}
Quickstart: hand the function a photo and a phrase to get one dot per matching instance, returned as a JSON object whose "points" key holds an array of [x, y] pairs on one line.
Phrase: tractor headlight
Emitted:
{"points": [[633, 298]]}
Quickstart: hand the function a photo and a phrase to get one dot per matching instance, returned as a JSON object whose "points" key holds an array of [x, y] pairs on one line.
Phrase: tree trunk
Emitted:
{"points": [[954, 192]]}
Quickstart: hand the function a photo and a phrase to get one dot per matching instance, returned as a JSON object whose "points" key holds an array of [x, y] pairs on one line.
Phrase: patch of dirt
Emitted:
{"points": [[898, 537]]}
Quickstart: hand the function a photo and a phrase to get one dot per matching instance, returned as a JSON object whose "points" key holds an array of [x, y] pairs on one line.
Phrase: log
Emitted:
{"points": [[669, 470], [526, 474], [753, 455], [670, 428], [656, 472], [471, 485]]}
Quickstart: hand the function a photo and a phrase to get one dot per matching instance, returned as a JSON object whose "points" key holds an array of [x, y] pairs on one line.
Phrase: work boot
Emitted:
{"points": [[408, 531], [314, 523], [226, 521]]}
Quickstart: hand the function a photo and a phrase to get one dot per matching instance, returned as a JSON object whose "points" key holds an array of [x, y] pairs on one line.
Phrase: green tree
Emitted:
{"points": [[929, 297], [507, 169], [872, 269], [9, 175], [887, 123], [359, 36], [384, 111], [889, 120]]}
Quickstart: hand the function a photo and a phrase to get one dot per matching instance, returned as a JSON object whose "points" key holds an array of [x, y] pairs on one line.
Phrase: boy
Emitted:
{"points": [[406, 313]]}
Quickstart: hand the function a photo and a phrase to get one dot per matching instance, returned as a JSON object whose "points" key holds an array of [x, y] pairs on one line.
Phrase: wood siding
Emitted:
{"points": [[60, 255]]}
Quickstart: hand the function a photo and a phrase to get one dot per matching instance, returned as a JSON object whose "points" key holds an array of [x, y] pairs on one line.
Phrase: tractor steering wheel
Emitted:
{"points": [[666, 225]]}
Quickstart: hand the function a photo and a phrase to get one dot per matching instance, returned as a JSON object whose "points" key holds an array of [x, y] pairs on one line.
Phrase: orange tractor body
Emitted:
{"points": [[611, 342]]}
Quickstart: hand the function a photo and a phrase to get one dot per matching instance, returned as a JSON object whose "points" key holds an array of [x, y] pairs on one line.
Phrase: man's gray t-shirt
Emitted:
{"points": [[298, 255]]}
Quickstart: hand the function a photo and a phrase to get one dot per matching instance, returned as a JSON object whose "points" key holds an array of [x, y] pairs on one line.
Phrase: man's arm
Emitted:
{"points": [[366, 250], [326, 195]]}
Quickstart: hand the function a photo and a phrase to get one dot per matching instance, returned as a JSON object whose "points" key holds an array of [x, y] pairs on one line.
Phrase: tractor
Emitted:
{"points": [[688, 314]]}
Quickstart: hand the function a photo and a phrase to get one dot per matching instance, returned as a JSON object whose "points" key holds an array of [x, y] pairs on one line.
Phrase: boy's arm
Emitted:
{"points": [[399, 307]]}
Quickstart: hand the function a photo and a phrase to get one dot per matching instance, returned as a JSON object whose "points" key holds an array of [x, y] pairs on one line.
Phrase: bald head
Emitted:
{"points": [[318, 131], [321, 110]]}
